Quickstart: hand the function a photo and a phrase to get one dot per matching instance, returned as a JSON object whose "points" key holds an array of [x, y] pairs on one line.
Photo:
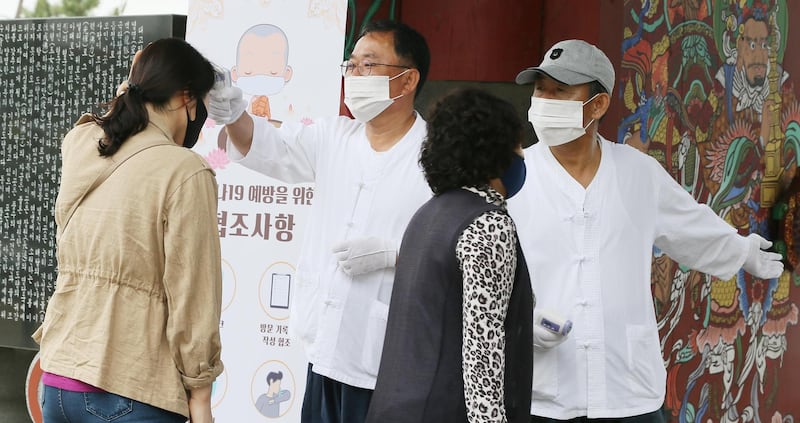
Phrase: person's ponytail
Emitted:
{"points": [[163, 69], [126, 117]]}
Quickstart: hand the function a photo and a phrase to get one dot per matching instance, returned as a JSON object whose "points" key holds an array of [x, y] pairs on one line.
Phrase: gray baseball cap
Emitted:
{"points": [[573, 62]]}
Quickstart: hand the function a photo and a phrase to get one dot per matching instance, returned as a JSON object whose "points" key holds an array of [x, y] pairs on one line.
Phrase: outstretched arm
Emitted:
{"points": [[240, 133]]}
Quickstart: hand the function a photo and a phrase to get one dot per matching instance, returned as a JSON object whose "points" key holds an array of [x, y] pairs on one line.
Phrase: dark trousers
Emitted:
{"points": [[329, 401], [654, 417]]}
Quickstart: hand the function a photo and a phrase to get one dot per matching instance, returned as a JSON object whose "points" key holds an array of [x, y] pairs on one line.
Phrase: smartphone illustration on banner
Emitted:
{"points": [[279, 291]]}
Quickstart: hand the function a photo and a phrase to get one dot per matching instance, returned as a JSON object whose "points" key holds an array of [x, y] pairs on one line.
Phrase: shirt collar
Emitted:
{"points": [[489, 194]]}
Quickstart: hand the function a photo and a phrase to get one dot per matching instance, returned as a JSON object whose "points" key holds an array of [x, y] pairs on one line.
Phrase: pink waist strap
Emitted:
{"points": [[68, 384]]}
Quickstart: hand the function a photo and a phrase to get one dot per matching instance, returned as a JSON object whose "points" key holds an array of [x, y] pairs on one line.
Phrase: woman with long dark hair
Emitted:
{"points": [[131, 333]]}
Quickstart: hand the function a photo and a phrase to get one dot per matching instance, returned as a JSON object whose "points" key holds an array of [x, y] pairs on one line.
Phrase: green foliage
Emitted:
{"points": [[117, 11], [352, 35], [44, 9]]}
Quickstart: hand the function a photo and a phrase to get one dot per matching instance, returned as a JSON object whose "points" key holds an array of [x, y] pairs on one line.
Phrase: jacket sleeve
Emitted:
{"points": [[486, 251], [193, 279]]}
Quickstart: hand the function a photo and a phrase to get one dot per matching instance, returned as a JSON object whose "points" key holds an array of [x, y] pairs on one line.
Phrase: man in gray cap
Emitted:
{"points": [[588, 220]]}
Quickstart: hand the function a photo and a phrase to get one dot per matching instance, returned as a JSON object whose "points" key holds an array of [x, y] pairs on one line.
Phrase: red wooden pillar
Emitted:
{"points": [[491, 41], [597, 22], [477, 40]]}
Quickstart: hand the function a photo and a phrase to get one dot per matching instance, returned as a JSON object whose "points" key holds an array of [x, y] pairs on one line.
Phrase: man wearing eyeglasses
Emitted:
{"points": [[368, 184]]}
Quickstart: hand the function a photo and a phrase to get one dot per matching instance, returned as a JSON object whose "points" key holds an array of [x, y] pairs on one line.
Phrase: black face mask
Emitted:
{"points": [[193, 127], [514, 176]]}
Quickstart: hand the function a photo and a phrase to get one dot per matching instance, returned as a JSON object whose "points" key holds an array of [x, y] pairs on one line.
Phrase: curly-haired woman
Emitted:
{"points": [[459, 335]]}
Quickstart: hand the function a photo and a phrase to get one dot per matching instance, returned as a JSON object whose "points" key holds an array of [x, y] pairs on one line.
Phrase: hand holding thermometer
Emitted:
{"points": [[549, 329], [553, 323]]}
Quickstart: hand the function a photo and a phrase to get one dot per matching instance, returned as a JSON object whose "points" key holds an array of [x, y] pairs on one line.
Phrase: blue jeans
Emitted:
{"points": [[62, 406]]}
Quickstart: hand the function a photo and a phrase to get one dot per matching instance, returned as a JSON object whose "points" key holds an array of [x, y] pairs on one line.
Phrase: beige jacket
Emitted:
{"points": [[137, 302]]}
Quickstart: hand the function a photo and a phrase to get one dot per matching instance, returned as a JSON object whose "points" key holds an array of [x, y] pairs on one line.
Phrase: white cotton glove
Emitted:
{"points": [[363, 255], [549, 329], [225, 104], [759, 263]]}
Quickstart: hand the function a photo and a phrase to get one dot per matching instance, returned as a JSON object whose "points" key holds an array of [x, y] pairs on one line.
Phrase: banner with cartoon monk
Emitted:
{"points": [[284, 55]]}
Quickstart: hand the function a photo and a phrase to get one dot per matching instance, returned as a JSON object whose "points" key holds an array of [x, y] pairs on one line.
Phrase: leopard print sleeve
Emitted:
{"points": [[487, 255]]}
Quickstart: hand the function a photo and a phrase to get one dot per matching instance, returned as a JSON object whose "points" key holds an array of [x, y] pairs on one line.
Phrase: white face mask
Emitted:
{"points": [[261, 84], [557, 122], [368, 96]]}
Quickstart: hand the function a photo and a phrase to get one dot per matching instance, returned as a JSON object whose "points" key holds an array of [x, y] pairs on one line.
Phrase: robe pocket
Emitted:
{"points": [[545, 374], [646, 370], [306, 307], [374, 336]]}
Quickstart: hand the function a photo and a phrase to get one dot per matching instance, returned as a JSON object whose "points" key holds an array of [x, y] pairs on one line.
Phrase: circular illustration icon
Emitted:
{"points": [[228, 284], [34, 391], [275, 289], [272, 389]]}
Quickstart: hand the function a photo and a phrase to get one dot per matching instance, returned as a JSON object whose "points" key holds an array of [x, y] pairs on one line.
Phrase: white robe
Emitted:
{"points": [[589, 252], [358, 192]]}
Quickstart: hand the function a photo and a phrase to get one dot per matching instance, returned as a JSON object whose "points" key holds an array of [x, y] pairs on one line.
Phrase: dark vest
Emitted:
{"points": [[420, 377]]}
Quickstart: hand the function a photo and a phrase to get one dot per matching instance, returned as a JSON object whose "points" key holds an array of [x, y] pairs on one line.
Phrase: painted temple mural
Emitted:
{"points": [[708, 88]]}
